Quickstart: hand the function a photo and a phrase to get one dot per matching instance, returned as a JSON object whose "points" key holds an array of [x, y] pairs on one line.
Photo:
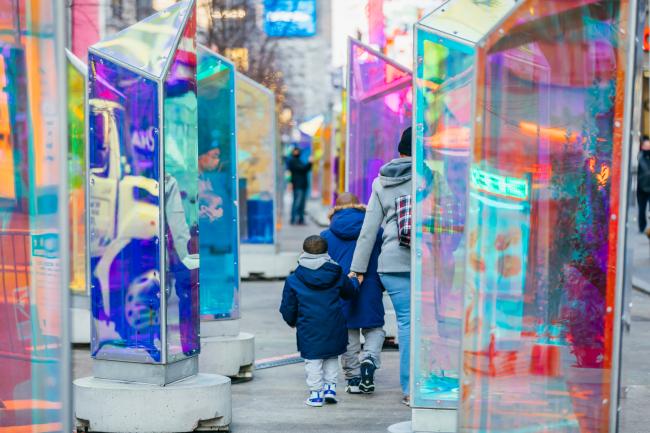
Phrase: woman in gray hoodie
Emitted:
{"points": [[394, 268]]}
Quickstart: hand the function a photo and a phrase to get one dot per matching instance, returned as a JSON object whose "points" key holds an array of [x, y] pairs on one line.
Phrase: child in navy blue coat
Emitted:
{"points": [[365, 313], [311, 304]]}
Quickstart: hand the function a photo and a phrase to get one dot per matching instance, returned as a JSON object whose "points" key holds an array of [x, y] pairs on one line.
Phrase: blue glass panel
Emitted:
{"points": [[33, 230], [181, 200], [443, 111], [124, 213], [218, 188]]}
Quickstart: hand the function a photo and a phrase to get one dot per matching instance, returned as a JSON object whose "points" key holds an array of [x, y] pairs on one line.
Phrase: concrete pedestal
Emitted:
{"points": [[434, 420], [227, 351], [264, 261], [199, 403], [80, 314]]}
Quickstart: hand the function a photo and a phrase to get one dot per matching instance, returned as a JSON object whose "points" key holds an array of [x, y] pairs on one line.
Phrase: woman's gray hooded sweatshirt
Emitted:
{"points": [[394, 181]]}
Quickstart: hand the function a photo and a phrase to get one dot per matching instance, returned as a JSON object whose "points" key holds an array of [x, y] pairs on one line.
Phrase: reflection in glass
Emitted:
{"points": [[379, 109], [144, 306], [181, 200], [77, 171], [34, 350], [542, 227], [217, 188], [256, 143], [124, 251], [445, 73]]}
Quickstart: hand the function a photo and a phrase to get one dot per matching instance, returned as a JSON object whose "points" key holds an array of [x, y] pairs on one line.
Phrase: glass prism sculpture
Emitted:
{"points": [[143, 189]]}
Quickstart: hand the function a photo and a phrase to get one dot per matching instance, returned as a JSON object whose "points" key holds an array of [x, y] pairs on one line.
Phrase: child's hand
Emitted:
{"points": [[359, 277]]}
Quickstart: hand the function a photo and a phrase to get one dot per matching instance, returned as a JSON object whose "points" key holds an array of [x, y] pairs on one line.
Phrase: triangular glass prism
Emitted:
{"points": [[148, 44]]}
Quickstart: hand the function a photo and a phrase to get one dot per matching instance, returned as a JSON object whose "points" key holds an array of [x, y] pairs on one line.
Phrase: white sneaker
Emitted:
{"points": [[315, 399]]}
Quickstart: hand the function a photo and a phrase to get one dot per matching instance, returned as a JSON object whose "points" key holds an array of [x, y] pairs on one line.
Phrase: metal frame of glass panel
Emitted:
{"points": [[263, 241], [77, 99], [35, 329], [219, 298], [367, 150], [158, 220], [544, 287], [444, 81]]}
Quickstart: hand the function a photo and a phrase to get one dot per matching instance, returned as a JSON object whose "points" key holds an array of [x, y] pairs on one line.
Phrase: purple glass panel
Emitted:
{"points": [[124, 215], [181, 201], [380, 106]]}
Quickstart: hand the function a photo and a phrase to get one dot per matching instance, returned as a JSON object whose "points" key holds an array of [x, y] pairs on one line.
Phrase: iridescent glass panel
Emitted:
{"points": [[181, 200], [34, 345], [256, 144], [218, 188], [445, 74], [124, 213], [542, 295], [379, 109], [77, 171]]}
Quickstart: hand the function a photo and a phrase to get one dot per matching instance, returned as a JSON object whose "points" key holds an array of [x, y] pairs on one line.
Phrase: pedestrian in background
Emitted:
{"points": [[365, 313], [389, 202], [299, 181], [643, 182], [311, 303]]}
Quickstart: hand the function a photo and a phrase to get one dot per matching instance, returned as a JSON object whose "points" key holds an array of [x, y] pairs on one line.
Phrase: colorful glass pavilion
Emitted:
{"points": [[544, 246], [444, 79], [34, 256], [257, 156], [379, 105], [218, 210], [144, 213]]}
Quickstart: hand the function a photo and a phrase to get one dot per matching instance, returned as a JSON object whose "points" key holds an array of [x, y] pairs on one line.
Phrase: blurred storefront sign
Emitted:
{"points": [[290, 18]]}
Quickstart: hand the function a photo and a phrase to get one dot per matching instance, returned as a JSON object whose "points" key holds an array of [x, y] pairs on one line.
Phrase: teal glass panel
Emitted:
{"points": [[148, 45], [445, 75], [218, 212], [544, 236], [77, 71], [180, 131], [379, 110], [34, 258], [256, 143]]}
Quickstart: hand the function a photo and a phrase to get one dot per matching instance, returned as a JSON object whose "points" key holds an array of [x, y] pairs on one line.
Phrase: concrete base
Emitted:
{"points": [[80, 314], [428, 421], [232, 356], [199, 403], [390, 319], [401, 427], [259, 261], [434, 420], [152, 374], [80, 325]]}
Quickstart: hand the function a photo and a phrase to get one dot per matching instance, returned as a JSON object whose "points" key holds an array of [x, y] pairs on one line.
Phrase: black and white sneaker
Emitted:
{"points": [[367, 384], [353, 386]]}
